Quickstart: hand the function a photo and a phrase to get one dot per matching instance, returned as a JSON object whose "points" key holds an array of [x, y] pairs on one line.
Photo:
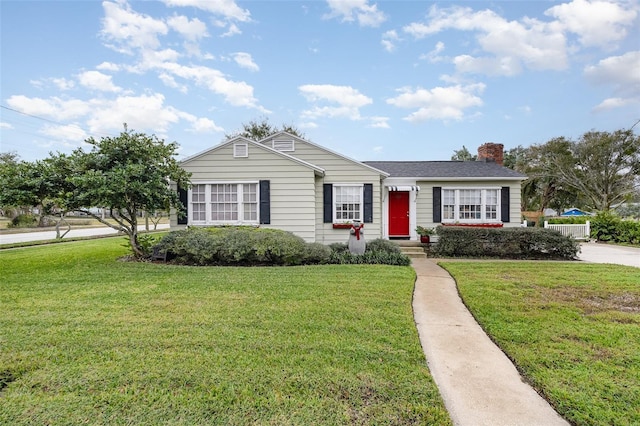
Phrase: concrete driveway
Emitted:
{"points": [[606, 253]]}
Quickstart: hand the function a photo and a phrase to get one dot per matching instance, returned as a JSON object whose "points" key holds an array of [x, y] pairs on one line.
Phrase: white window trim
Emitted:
{"points": [[456, 211], [240, 150], [334, 197], [207, 201]]}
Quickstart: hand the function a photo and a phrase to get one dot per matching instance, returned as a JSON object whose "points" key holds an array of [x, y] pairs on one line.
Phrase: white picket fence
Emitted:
{"points": [[577, 231]]}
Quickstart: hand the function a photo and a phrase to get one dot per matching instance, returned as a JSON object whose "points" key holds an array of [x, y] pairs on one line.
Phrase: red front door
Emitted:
{"points": [[398, 214]]}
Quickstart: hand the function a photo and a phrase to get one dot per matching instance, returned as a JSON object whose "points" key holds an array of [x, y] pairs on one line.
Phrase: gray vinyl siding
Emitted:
{"points": [[292, 184], [339, 170], [424, 210]]}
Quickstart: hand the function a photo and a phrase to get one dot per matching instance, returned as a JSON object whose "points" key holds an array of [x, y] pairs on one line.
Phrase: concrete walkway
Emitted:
{"points": [[479, 384]]}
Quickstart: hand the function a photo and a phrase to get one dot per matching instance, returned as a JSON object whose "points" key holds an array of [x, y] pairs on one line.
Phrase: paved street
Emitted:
{"points": [[50, 235]]}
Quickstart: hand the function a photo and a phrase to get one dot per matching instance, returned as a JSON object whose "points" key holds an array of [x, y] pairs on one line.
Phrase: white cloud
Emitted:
{"points": [[379, 123], [106, 116], [614, 103], [366, 14], [308, 125], [233, 30], [620, 72], [597, 23], [69, 132], [205, 125], [237, 93], [139, 112], [388, 40], [63, 83], [54, 108], [4, 125], [108, 66], [245, 61], [439, 103], [434, 55], [510, 44], [95, 80], [129, 30], [190, 29], [226, 8], [348, 100]]}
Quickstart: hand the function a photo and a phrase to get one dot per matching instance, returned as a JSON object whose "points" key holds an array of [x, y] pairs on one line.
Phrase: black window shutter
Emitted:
{"points": [[368, 203], [183, 195], [505, 201], [265, 202], [437, 204], [327, 202]]}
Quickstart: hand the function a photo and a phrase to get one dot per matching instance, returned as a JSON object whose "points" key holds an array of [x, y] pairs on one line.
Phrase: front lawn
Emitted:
{"points": [[85, 338], [572, 329]]}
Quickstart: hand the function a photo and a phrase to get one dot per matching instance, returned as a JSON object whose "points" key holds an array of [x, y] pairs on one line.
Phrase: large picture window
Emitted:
{"points": [[224, 203], [470, 205], [347, 205]]}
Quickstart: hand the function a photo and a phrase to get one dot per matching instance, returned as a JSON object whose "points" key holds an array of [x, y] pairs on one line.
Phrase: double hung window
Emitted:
{"points": [[470, 205], [348, 203], [224, 203]]}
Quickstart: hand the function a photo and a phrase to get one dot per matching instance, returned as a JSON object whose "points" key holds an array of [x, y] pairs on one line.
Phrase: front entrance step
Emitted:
{"points": [[413, 251]]}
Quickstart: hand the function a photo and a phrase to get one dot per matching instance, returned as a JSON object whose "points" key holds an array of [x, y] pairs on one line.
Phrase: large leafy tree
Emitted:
{"points": [[258, 130], [26, 185], [544, 188], [605, 167], [128, 174]]}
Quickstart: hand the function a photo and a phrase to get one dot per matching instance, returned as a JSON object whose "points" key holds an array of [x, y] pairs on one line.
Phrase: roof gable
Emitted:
{"points": [[241, 139], [267, 142]]}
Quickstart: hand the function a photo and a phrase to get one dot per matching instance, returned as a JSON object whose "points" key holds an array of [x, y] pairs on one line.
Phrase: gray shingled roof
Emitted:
{"points": [[444, 169]]}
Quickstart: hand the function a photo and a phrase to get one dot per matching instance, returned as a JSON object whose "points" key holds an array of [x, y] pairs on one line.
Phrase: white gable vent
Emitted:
{"points": [[284, 145], [240, 150]]}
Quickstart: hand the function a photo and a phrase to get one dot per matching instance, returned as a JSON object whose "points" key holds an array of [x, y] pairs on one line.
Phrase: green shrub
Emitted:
{"points": [[378, 252], [258, 246], [608, 226], [23, 221], [316, 254], [510, 243], [240, 246], [381, 245]]}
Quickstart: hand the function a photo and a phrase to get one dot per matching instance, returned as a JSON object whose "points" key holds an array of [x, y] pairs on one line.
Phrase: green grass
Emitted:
{"points": [[85, 338], [572, 329]]}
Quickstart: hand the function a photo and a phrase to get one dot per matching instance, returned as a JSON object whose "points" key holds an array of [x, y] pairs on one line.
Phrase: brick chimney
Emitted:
{"points": [[491, 152]]}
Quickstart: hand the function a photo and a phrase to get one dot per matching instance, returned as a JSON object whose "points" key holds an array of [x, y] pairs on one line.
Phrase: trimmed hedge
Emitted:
{"points": [[608, 226], [249, 246], [509, 243], [240, 245]]}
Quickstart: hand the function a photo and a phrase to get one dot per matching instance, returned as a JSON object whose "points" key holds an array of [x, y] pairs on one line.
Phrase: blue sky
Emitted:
{"points": [[386, 80]]}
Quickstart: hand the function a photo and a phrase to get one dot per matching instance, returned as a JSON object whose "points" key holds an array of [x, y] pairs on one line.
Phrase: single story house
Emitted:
{"points": [[292, 184]]}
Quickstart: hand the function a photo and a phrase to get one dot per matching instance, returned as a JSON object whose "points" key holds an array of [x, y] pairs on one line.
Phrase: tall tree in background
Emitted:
{"points": [[26, 185], [463, 154], [256, 131], [605, 167]]}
